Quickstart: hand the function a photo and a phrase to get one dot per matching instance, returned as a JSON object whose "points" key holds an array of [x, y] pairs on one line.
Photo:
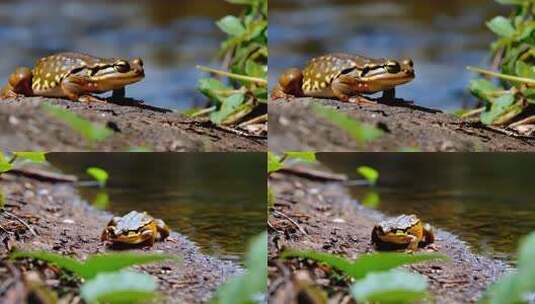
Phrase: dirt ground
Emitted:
{"points": [[293, 126], [25, 126], [63, 223], [319, 215]]}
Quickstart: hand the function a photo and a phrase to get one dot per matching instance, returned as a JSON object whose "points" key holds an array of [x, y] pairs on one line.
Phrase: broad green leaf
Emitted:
{"points": [[395, 286], [360, 132], [309, 157], [212, 88], [99, 174], [243, 288], [502, 27], [88, 130], [482, 87], [523, 69], [274, 162], [230, 104], [95, 264], [101, 200], [5, 166], [365, 264], [498, 107], [36, 157], [371, 200], [369, 173], [120, 287], [231, 25]]}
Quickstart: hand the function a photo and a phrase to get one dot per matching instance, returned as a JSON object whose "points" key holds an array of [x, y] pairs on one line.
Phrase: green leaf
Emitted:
{"points": [[36, 157], [360, 132], [101, 200], [369, 173], [88, 130], [371, 200], [274, 163], [499, 107], [309, 157], [95, 264], [230, 104], [99, 174], [231, 25], [243, 288], [365, 264], [120, 287], [396, 286], [523, 69], [502, 27], [482, 87]]}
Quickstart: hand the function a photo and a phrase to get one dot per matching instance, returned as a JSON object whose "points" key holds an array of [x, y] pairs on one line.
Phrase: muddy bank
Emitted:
{"points": [[293, 126], [63, 223], [25, 126], [325, 218]]}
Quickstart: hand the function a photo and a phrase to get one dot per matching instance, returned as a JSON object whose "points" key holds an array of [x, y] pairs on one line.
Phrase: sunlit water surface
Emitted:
{"points": [[215, 199]]}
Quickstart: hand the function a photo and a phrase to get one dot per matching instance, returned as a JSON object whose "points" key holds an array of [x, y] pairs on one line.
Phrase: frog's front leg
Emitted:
{"points": [[77, 88], [19, 83], [348, 89], [290, 85]]}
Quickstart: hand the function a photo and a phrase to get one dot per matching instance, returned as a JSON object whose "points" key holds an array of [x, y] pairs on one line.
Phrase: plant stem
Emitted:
{"points": [[257, 80], [502, 76]]}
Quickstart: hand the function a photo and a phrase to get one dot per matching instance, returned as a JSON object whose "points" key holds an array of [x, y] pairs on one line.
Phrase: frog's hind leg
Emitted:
{"points": [[290, 85], [19, 83]]}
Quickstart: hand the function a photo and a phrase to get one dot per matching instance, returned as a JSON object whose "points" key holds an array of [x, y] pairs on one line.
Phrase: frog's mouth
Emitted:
{"points": [[383, 82]]}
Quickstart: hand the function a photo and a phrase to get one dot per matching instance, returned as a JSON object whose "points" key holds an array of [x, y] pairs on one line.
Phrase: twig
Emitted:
{"points": [[258, 119], [473, 112], [527, 121], [240, 133], [291, 221], [203, 112], [502, 76], [20, 221], [259, 81]]}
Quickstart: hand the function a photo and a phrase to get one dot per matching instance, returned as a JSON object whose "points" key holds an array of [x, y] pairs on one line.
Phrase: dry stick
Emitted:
{"points": [[527, 121], [291, 221], [21, 221], [257, 80], [203, 112], [258, 119]]}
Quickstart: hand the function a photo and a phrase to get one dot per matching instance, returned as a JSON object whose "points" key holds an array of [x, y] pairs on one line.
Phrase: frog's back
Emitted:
{"points": [[132, 221], [49, 71]]}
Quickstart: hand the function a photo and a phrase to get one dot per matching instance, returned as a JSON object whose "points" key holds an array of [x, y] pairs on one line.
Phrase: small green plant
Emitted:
{"points": [[369, 173], [7, 163], [106, 281], [276, 163], [243, 98], [98, 174], [91, 132], [376, 277], [514, 55], [246, 287], [362, 133], [516, 287]]}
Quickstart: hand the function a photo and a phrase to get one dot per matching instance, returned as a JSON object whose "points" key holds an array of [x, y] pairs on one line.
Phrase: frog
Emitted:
{"points": [[74, 76], [402, 232], [135, 228], [345, 77]]}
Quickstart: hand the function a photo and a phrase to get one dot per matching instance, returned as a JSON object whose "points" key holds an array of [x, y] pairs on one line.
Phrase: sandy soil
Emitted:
{"points": [[293, 126], [325, 218]]}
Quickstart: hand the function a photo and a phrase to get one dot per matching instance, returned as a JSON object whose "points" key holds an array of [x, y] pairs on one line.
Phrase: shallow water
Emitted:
{"points": [[171, 37], [442, 38], [217, 200], [486, 199]]}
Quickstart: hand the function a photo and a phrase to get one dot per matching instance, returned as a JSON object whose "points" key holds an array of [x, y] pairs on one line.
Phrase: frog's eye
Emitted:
{"points": [[393, 67], [138, 61], [122, 66], [408, 62]]}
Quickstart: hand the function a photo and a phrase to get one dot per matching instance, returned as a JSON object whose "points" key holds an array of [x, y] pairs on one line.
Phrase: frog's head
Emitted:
{"points": [[115, 74], [388, 75], [134, 229]]}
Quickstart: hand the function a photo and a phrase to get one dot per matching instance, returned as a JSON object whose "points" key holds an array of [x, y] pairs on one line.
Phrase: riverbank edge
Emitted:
{"points": [[62, 222], [295, 126], [319, 215], [26, 126]]}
